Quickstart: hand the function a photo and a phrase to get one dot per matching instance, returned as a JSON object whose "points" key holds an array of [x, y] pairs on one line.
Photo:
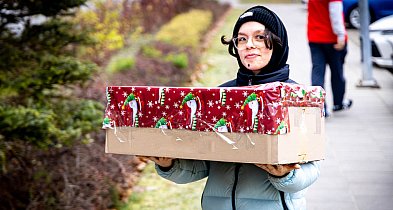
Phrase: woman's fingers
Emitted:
{"points": [[278, 170]]}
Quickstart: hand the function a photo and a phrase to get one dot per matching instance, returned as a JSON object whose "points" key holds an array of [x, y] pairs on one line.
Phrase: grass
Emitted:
{"points": [[153, 192]]}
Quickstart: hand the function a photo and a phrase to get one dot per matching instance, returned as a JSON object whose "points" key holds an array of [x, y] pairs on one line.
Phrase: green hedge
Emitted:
{"points": [[186, 30]]}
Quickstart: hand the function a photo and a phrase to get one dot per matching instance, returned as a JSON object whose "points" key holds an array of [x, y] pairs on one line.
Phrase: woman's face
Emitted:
{"points": [[254, 55]]}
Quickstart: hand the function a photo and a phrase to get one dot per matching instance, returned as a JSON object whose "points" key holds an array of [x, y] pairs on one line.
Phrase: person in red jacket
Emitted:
{"points": [[327, 39]]}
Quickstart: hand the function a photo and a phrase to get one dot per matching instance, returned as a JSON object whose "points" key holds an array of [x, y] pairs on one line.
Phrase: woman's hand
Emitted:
{"points": [[279, 170], [163, 162]]}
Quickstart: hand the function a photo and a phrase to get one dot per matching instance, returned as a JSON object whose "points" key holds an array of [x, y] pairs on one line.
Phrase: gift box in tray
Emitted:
{"points": [[272, 123]]}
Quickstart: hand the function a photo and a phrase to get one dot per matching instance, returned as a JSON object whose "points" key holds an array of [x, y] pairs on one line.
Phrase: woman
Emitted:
{"points": [[260, 45]]}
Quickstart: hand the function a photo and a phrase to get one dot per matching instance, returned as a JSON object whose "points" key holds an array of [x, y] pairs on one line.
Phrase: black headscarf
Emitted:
{"points": [[276, 69]]}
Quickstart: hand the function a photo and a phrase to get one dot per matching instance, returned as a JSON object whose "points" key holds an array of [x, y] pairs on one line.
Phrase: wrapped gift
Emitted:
{"points": [[174, 121]]}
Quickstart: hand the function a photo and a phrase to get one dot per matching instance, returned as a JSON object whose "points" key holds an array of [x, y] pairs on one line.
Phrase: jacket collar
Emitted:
{"points": [[247, 78]]}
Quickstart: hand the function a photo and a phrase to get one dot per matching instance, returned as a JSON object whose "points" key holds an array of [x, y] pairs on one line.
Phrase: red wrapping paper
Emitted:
{"points": [[258, 109]]}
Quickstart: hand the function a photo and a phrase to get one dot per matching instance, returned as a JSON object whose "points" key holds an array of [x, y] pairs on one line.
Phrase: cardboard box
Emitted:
{"points": [[271, 123], [305, 142]]}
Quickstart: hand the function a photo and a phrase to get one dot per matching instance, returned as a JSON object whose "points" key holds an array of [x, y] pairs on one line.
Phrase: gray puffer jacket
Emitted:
{"points": [[244, 186]]}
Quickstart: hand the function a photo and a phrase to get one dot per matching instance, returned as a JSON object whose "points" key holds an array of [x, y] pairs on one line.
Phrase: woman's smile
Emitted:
{"points": [[251, 56]]}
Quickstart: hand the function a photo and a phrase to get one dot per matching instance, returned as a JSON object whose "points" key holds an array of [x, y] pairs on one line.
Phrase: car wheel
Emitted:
{"points": [[354, 18]]}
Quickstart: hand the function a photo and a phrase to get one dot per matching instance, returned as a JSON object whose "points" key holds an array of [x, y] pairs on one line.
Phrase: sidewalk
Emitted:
{"points": [[358, 171]]}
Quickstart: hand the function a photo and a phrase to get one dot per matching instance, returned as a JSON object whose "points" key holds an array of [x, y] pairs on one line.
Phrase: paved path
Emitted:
{"points": [[358, 171]]}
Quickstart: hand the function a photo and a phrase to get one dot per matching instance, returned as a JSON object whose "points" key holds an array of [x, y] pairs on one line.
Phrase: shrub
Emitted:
{"points": [[121, 64], [151, 51], [104, 23], [186, 30], [178, 60]]}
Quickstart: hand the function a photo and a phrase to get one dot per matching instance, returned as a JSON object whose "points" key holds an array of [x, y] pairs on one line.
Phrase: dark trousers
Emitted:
{"points": [[322, 54]]}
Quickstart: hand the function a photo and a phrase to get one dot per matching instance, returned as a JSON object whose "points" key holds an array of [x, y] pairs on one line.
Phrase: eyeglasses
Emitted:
{"points": [[258, 40]]}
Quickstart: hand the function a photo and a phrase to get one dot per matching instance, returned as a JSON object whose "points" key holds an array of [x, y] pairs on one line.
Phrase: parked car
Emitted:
{"points": [[381, 36], [378, 9]]}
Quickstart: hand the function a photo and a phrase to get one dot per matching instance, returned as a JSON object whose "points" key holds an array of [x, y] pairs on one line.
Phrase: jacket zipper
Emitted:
{"points": [[237, 167], [284, 205], [250, 81]]}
